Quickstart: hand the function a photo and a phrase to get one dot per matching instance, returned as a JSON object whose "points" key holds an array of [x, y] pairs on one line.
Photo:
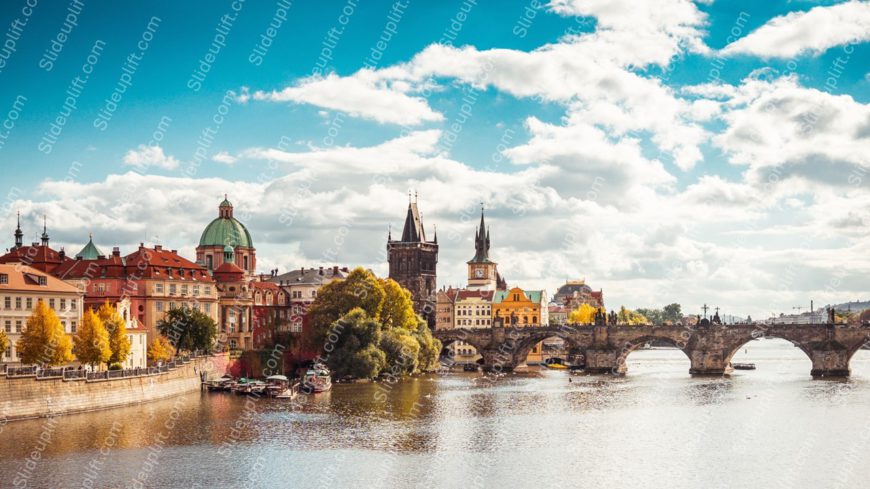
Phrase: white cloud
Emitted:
{"points": [[813, 31], [362, 95], [784, 132], [147, 156], [224, 157]]}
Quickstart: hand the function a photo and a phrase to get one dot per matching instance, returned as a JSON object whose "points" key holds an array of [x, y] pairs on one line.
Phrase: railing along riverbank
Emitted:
{"points": [[78, 373]]}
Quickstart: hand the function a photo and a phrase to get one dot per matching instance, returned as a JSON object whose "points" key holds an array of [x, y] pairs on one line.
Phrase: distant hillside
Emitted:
{"points": [[856, 306]]}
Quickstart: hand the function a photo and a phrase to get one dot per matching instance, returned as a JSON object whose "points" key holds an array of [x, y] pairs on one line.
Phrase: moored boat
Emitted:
{"points": [[317, 379], [743, 366]]}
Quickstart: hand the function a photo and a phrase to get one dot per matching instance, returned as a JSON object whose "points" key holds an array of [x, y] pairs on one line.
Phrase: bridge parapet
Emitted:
{"points": [[604, 349]]}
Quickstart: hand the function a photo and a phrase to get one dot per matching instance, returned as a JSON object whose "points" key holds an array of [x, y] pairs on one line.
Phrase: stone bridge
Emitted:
{"points": [[603, 349]]}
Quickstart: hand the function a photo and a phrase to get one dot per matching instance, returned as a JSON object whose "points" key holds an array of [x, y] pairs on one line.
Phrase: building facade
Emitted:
{"points": [[301, 287], [413, 262], [522, 308], [21, 287]]}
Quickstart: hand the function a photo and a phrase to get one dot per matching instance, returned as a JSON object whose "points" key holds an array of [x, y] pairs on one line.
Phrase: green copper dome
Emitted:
{"points": [[90, 251], [226, 230]]}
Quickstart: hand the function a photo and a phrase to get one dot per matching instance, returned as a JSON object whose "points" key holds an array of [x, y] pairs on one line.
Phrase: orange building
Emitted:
{"points": [[522, 308]]}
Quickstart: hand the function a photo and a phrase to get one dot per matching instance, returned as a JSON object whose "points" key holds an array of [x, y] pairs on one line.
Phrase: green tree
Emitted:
{"points": [[91, 342], [430, 347], [672, 313], [360, 289], [354, 341], [119, 343], [160, 349], [188, 329], [44, 341], [653, 315], [629, 317], [402, 350]]}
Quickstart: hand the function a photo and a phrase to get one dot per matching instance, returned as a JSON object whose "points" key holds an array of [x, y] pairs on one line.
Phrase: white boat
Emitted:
{"points": [[317, 379]]}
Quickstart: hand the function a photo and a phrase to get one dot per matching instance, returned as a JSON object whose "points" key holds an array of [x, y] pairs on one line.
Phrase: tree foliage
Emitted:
{"points": [[91, 341], [353, 346], [672, 313], [4, 341], [367, 325], [160, 349], [629, 317], [44, 341], [361, 289], [119, 343], [584, 314], [188, 329]]}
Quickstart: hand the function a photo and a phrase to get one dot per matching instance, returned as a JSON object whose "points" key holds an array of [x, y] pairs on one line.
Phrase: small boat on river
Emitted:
{"points": [[743, 366], [317, 379]]}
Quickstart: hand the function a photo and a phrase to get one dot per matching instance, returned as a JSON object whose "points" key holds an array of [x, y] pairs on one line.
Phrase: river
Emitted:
{"points": [[656, 427]]}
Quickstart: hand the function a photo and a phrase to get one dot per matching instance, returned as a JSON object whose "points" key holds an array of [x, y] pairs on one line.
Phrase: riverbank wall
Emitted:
{"points": [[32, 397]]}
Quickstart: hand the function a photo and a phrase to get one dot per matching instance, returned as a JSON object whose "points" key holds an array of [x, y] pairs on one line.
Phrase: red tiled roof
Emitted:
{"points": [[468, 294], [164, 264], [229, 272], [36, 256]]}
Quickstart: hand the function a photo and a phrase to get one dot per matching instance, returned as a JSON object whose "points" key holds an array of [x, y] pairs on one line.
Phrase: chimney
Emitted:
{"points": [[158, 247], [335, 270], [302, 269], [321, 270], [345, 269], [175, 251], [62, 254], [116, 251]]}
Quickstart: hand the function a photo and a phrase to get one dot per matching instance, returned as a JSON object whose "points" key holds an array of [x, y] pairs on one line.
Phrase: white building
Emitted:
{"points": [[21, 287]]}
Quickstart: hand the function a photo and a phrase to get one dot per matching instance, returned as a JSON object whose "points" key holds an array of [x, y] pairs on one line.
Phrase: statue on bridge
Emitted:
{"points": [[600, 317], [513, 318], [613, 318]]}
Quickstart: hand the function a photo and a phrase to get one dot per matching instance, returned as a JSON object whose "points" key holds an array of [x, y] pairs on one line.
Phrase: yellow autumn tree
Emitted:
{"points": [[160, 349], [119, 343], [397, 309], [44, 342], [4, 342], [585, 314], [631, 318], [91, 342]]}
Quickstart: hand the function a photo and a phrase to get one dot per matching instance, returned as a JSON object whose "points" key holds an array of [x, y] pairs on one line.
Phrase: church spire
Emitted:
{"points": [[481, 241], [19, 235], [44, 230]]}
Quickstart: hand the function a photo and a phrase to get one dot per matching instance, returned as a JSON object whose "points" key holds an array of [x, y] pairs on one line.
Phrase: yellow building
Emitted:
{"points": [[522, 308]]}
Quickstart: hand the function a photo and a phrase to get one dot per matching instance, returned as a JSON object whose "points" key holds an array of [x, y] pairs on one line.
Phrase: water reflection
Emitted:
{"points": [[656, 427]]}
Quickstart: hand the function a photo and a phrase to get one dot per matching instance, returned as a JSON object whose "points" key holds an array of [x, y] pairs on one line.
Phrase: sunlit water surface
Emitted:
{"points": [[655, 427]]}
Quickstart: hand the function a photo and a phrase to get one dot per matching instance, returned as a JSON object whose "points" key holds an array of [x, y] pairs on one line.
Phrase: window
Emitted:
{"points": [[42, 280], [9, 352], [184, 290], [207, 290], [18, 326], [8, 326], [63, 323], [18, 303], [207, 308], [101, 288], [51, 303], [72, 326], [209, 261], [196, 290], [171, 306], [313, 293], [72, 304], [4, 278], [7, 302], [158, 288], [159, 306], [63, 304], [171, 289], [29, 302], [246, 262]]}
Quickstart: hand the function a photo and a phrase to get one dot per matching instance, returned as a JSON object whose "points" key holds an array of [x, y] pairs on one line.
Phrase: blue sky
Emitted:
{"points": [[595, 127]]}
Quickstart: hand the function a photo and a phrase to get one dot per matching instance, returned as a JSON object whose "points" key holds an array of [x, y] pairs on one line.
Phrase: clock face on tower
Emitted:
{"points": [[478, 272]]}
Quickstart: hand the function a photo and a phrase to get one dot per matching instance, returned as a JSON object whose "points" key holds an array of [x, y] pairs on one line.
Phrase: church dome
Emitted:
{"points": [[226, 230]]}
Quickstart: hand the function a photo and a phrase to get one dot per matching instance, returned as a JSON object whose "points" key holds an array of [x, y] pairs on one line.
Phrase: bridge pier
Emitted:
{"points": [[830, 363], [497, 360], [704, 362], [603, 361]]}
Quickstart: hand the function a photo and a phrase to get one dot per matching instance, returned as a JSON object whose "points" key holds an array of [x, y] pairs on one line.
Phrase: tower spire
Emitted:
{"points": [[19, 235], [44, 230]]}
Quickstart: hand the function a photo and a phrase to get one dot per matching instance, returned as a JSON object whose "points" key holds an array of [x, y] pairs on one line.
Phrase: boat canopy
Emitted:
{"points": [[277, 377]]}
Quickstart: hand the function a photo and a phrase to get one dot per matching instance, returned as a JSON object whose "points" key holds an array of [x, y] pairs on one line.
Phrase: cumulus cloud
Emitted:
{"points": [[224, 157], [813, 31], [145, 156], [362, 96]]}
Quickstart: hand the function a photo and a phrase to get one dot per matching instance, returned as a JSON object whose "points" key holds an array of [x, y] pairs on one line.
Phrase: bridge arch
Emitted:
{"points": [[524, 346], [741, 342], [631, 345]]}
